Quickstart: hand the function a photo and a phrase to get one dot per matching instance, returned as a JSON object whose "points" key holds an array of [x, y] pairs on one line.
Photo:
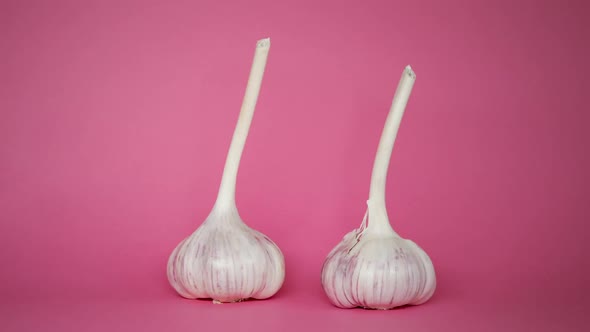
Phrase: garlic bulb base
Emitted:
{"points": [[222, 302]]}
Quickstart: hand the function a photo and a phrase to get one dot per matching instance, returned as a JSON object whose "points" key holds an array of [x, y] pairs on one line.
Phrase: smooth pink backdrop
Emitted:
{"points": [[116, 116]]}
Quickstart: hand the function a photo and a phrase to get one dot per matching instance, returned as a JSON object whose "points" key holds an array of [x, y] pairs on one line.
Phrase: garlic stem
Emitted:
{"points": [[227, 189], [383, 156]]}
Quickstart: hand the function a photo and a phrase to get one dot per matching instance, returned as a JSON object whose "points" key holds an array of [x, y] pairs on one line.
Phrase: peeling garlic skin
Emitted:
{"points": [[226, 261], [377, 273]]}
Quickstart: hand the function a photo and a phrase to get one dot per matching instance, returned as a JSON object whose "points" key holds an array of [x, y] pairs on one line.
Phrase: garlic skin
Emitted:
{"points": [[227, 261], [377, 271], [224, 259], [373, 267]]}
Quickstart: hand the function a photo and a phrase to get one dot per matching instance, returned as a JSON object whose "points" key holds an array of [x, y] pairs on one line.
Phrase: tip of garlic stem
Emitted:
{"points": [[410, 72], [263, 43]]}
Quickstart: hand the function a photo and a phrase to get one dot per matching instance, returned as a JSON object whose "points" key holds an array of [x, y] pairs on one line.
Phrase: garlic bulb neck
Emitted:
{"points": [[377, 221]]}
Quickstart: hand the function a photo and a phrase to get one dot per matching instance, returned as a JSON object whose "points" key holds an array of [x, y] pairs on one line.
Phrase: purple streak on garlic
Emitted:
{"points": [[373, 267], [224, 259]]}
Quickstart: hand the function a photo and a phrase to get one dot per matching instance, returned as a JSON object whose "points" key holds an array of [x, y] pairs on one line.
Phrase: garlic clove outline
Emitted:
{"points": [[373, 267], [224, 259]]}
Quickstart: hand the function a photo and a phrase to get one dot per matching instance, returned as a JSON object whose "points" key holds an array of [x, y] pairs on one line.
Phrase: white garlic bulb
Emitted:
{"points": [[224, 259], [373, 267]]}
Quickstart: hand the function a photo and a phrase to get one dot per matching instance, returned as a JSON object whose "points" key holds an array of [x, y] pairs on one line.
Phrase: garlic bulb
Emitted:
{"points": [[224, 259], [373, 267]]}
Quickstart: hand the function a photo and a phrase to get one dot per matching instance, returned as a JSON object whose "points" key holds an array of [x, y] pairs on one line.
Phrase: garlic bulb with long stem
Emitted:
{"points": [[224, 259], [373, 267]]}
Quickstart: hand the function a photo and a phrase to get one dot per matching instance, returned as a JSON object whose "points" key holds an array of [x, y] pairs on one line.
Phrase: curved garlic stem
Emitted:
{"points": [[227, 189], [381, 165]]}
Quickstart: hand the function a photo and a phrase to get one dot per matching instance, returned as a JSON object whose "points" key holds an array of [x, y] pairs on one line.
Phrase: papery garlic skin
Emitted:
{"points": [[226, 261], [377, 272]]}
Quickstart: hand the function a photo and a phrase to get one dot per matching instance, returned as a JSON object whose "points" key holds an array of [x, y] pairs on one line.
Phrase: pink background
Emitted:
{"points": [[116, 117]]}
